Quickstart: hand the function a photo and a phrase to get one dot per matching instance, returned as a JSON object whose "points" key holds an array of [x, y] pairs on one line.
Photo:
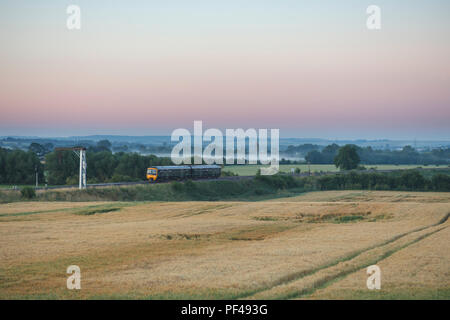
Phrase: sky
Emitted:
{"points": [[308, 68]]}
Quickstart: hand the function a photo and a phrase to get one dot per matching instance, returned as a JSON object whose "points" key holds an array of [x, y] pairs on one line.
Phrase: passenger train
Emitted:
{"points": [[184, 172]]}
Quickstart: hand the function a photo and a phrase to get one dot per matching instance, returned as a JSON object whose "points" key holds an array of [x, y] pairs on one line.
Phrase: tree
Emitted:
{"points": [[408, 150], [441, 182], [17, 166], [323, 157], [37, 148], [2, 165], [102, 145], [314, 157], [60, 166], [48, 147], [347, 158], [412, 180]]}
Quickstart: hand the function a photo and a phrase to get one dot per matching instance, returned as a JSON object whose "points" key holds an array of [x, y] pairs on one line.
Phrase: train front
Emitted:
{"points": [[152, 174]]}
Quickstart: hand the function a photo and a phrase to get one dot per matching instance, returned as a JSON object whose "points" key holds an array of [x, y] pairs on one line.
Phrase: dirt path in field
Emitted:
{"points": [[307, 282], [417, 271]]}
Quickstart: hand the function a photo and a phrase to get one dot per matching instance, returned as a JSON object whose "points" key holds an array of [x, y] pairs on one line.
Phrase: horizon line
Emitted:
{"points": [[284, 138]]}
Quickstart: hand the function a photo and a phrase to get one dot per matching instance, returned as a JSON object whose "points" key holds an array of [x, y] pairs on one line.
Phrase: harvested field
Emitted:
{"points": [[316, 245], [419, 271]]}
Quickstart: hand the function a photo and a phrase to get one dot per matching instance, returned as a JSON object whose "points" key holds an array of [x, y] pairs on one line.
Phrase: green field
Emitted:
{"points": [[249, 170], [10, 186]]}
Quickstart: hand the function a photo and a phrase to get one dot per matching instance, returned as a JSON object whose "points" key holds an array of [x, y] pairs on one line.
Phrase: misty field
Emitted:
{"points": [[314, 246], [250, 170]]}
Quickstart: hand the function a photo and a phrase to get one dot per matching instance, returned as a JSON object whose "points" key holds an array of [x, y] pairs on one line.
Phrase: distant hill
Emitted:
{"points": [[165, 140]]}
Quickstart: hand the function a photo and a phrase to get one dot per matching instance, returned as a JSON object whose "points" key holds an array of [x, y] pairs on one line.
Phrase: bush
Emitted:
{"points": [[278, 181], [177, 186], [121, 178], [73, 180], [228, 174], [440, 182], [412, 180], [259, 191], [28, 193], [190, 185]]}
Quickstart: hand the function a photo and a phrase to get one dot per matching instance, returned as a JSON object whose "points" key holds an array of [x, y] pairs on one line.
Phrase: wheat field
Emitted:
{"points": [[314, 246]]}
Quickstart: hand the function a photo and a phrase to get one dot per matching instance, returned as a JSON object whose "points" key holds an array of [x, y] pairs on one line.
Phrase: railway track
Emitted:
{"points": [[118, 184]]}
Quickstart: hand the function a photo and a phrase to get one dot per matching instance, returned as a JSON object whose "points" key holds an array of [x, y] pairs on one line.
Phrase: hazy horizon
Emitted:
{"points": [[168, 135]]}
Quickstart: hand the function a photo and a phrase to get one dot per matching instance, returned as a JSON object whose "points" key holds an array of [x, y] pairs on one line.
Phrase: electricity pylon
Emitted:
{"points": [[81, 153]]}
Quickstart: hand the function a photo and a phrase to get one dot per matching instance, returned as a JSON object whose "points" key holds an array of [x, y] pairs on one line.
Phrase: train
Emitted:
{"points": [[184, 172]]}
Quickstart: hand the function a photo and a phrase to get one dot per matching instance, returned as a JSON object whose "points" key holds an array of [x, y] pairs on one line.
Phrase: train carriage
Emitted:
{"points": [[166, 173]]}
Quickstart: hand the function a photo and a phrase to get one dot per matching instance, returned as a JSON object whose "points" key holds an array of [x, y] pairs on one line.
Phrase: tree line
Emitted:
{"points": [[410, 180], [59, 168], [367, 155], [19, 167], [102, 166]]}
